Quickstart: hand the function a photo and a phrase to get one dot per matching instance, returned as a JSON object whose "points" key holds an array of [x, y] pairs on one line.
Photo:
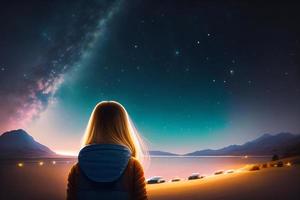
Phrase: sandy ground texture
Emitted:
{"points": [[49, 182], [270, 183]]}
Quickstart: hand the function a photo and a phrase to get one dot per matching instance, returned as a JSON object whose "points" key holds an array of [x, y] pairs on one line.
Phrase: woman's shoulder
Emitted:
{"points": [[74, 169], [134, 161], [135, 164]]}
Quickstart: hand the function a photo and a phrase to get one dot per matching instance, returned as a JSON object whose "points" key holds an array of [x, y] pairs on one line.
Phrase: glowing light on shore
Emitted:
{"points": [[53, 162], [67, 153], [245, 156], [20, 164], [41, 163], [288, 164], [230, 171]]}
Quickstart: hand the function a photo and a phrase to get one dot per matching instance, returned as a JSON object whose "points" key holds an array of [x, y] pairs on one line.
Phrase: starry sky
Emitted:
{"points": [[192, 74]]}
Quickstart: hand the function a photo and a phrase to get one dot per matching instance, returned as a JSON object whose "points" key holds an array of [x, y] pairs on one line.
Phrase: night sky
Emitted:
{"points": [[192, 74]]}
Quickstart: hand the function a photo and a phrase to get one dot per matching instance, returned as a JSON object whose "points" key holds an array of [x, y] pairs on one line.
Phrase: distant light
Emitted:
{"points": [[67, 153], [288, 164], [53, 162], [245, 156], [230, 171], [20, 164], [41, 163]]}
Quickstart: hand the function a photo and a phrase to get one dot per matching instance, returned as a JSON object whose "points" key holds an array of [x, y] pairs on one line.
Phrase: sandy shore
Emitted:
{"points": [[49, 181], [269, 183]]}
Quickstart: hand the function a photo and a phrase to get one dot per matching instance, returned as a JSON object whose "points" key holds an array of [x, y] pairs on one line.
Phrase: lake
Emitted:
{"points": [[45, 179]]}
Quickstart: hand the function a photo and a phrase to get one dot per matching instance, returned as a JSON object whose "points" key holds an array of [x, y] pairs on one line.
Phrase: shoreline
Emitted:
{"points": [[242, 184]]}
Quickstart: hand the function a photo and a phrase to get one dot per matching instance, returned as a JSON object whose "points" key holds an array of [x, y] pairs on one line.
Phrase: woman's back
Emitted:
{"points": [[108, 166], [106, 171]]}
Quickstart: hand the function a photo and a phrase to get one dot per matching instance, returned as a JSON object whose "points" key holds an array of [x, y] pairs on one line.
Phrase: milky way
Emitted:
{"points": [[192, 74], [64, 39]]}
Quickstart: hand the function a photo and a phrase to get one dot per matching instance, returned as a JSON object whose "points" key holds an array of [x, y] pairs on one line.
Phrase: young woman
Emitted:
{"points": [[109, 163]]}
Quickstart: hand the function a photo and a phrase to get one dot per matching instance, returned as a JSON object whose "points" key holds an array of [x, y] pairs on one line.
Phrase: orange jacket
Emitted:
{"points": [[132, 181]]}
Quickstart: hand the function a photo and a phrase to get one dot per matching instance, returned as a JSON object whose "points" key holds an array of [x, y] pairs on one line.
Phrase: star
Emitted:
{"points": [[177, 52], [138, 68], [2, 69], [231, 72], [198, 42], [208, 34], [214, 80], [136, 46]]}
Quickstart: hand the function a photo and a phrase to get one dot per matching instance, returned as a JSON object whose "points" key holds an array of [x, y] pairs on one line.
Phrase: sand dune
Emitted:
{"points": [[270, 183]]}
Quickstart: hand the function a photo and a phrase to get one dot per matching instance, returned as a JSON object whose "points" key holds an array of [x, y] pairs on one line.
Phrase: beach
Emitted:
{"points": [[48, 181], [270, 183]]}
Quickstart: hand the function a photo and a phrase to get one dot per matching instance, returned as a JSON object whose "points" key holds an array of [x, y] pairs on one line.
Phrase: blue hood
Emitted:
{"points": [[103, 162]]}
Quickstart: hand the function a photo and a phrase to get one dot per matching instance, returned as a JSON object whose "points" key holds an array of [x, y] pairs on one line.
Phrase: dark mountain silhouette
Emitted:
{"points": [[161, 153], [19, 144], [282, 144]]}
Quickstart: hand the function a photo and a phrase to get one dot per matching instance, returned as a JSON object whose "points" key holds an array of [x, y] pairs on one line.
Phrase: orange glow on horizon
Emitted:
{"points": [[67, 153]]}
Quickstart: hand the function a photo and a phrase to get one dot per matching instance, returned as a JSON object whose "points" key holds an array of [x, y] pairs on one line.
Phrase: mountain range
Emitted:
{"points": [[161, 153], [267, 144], [19, 144]]}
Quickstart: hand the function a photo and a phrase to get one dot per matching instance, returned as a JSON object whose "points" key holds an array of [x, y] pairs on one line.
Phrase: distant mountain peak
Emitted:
{"points": [[266, 144], [263, 137], [161, 153], [18, 143], [17, 132], [266, 135]]}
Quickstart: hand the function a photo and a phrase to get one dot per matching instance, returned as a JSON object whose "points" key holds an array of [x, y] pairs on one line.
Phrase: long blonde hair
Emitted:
{"points": [[110, 123]]}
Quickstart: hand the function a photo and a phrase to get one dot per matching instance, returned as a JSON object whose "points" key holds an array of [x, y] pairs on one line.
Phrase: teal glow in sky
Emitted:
{"points": [[191, 75]]}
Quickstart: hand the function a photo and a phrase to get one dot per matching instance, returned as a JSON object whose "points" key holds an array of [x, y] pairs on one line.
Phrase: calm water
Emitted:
{"points": [[48, 180]]}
